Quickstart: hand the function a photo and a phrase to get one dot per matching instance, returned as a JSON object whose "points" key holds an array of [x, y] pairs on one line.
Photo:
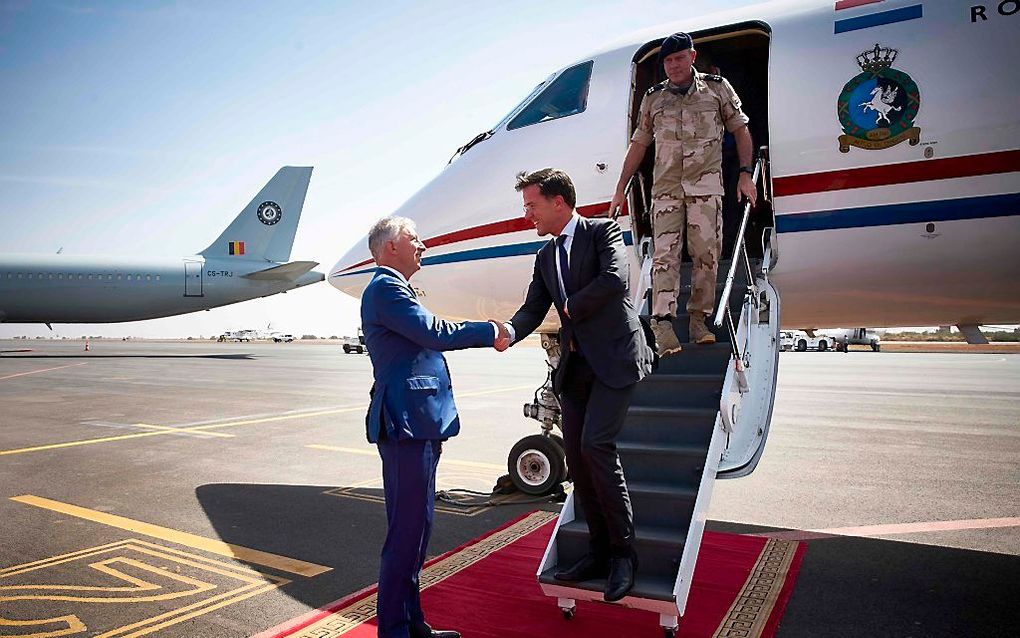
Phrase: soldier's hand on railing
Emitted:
{"points": [[747, 189], [616, 206]]}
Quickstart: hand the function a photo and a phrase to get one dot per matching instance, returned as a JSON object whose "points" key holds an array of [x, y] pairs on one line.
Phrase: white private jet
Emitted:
{"points": [[891, 186], [249, 260]]}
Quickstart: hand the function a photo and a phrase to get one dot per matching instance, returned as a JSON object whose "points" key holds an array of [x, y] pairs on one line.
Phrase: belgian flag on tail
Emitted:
{"points": [[236, 248]]}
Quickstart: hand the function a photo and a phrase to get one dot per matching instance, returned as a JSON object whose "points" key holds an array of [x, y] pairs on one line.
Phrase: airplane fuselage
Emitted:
{"points": [[877, 225], [248, 260], [101, 289]]}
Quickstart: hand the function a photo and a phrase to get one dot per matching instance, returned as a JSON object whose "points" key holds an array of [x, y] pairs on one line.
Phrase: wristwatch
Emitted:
{"points": [[747, 169]]}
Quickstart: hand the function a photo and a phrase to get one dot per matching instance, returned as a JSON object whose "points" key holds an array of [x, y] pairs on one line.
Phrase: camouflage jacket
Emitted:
{"points": [[688, 130]]}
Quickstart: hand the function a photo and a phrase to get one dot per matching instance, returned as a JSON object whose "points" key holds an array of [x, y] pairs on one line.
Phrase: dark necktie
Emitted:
{"points": [[561, 243]]}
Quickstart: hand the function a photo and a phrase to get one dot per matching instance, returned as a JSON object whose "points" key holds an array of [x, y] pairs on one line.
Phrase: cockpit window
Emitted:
{"points": [[567, 95], [514, 110]]}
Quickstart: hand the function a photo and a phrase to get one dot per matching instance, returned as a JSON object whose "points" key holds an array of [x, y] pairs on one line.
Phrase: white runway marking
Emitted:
{"points": [[894, 528], [22, 374]]}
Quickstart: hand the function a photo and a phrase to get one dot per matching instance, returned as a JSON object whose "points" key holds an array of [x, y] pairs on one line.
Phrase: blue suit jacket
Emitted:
{"points": [[412, 395]]}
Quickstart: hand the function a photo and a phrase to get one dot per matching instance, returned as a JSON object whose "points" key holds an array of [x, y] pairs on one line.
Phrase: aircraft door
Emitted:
{"points": [[193, 279]]}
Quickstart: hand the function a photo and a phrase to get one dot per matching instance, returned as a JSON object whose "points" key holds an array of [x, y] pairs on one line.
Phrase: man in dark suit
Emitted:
{"points": [[411, 413], [583, 272]]}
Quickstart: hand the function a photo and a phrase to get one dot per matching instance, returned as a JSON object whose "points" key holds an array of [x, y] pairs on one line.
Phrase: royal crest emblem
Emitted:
{"points": [[877, 108], [269, 213]]}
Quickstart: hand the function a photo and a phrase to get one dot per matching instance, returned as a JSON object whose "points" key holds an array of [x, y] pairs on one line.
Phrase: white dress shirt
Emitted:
{"points": [[568, 231]]}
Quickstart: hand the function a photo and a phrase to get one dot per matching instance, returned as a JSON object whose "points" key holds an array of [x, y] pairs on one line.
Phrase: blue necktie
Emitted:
{"points": [[561, 243]]}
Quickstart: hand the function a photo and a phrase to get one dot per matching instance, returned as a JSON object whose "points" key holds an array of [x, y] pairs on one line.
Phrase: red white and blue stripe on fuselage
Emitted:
{"points": [[984, 206], [875, 19]]}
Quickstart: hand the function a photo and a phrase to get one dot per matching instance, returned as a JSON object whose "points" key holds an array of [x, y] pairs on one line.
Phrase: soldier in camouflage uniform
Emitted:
{"points": [[687, 116]]}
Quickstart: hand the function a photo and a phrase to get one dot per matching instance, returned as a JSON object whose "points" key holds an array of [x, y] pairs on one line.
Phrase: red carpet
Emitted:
{"points": [[487, 589]]}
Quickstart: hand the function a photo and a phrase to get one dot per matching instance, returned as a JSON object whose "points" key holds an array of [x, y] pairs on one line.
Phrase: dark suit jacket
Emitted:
{"points": [[412, 394], [602, 323]]}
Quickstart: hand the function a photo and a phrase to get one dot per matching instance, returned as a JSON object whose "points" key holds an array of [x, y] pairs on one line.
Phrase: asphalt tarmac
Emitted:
{"points": [[238, 475]]}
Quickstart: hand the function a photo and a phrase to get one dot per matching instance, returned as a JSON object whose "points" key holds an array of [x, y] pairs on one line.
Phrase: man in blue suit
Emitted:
{"points": [[411, 413]]}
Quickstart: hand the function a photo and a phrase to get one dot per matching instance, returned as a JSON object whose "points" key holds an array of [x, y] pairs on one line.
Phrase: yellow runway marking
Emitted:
{"points": [[372, 452], [105, 439], [169, 429], [157, 576], [228, 424], [22, 374], [282, 563]]}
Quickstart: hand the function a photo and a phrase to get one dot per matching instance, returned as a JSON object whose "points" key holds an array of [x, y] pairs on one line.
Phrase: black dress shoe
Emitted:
{"points": [[621, 578], [424, 631], [587, 568]]}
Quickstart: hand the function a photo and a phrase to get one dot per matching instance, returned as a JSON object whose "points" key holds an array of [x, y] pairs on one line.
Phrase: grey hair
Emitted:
{"points": [[388, 229]]}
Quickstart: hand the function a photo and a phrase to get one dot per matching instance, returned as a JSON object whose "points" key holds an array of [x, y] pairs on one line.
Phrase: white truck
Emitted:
{"points": [[238, 335], [802, 341]]}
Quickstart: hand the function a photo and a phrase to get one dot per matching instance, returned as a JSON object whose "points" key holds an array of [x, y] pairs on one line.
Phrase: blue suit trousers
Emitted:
{"points": [[409, 482]]}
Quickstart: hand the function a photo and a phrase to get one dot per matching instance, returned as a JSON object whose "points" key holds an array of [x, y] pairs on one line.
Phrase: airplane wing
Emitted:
{"points": [[284, 272]]}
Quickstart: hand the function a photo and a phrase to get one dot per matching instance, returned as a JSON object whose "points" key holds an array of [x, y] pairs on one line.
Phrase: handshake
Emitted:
{"points": [[502, 336]]}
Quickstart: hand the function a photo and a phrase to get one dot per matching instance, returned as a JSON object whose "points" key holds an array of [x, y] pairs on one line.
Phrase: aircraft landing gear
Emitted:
{"points": [[537, 463]]}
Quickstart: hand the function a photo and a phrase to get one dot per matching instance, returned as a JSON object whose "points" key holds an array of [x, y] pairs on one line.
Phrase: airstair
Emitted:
{"points": [[703, 414]]}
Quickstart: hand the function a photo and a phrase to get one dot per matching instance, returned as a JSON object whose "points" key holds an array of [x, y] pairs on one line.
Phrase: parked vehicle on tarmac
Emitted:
{"points": [[844, 337], [802, 341], [355, 344], [238, 335]]}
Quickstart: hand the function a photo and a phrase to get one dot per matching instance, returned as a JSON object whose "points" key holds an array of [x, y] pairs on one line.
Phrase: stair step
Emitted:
{"points": [[697, 359], [645, 585], [677, 426], [656, 504], [682, 324], [663, 448], [679, 465], [658, 549], [697, 451], [679, 390]]}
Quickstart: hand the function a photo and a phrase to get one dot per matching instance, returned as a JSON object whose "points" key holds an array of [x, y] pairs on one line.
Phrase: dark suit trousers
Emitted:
{"points": [[409, 481], [593, 415]]}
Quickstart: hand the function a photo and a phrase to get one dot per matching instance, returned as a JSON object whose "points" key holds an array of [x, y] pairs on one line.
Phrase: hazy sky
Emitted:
{"points": [[145, 127]]}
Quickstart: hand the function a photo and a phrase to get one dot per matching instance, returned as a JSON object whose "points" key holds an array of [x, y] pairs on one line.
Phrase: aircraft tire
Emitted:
{"points": [[535, 464]]}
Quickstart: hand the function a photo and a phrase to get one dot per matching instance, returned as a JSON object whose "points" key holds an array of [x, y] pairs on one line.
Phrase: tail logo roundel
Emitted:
{"points": [[269, 213]]}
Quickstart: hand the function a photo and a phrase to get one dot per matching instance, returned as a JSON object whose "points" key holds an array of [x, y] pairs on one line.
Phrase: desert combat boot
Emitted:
{"points": [[699, 331], [665, 337]]}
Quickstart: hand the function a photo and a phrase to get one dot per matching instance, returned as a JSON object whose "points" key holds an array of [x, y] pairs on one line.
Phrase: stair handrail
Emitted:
{"points": [[636, 178], [740, 250]]}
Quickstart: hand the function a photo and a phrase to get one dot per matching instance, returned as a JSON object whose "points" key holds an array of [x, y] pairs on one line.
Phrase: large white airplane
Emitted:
{"points": [[250, 259], [892, 198]]}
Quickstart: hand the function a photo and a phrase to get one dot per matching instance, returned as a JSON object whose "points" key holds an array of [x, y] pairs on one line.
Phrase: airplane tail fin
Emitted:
{"points": [[266, 227]]}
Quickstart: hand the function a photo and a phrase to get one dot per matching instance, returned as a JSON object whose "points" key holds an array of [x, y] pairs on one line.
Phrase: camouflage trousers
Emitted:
{"points": [[702, 218]]}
